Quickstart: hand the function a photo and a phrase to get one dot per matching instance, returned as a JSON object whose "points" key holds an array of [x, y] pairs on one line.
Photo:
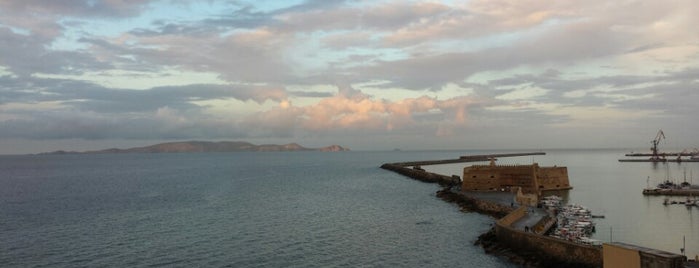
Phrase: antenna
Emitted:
{"points": [[610, 234]]}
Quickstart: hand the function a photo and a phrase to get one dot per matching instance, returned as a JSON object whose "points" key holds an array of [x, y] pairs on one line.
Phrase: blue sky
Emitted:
{"points": [[369, 75]]}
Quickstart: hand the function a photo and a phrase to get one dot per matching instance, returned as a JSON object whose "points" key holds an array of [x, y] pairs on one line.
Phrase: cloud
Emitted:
{"points": [[165, 123], [108, 8], [404, 70], [252, 56], [27, 54], [351, 110], [90, 97]]}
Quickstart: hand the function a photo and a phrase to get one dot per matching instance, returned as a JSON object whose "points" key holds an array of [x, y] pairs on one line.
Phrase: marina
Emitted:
{"points": [[670, 187], [573, 222], [672, 192]]}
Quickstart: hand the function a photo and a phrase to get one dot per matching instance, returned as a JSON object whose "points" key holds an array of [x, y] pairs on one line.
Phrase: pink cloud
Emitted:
{"points": [[352, 110]]}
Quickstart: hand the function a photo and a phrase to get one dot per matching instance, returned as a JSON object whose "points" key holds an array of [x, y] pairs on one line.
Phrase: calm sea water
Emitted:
{"points": [[298, 209]]}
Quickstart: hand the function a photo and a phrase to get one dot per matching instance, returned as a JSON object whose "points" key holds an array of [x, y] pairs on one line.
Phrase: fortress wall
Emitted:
{"points": [[548, 247], [480, 180], [531, 178], [487, 177], [553, 178]]}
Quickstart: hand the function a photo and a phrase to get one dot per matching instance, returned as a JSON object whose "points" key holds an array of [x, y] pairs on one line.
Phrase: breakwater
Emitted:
{"points": [[422, 175], [470, 204], [464, 159], [523, 248]]}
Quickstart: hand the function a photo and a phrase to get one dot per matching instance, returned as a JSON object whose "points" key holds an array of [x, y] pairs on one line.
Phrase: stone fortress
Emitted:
{"points": [[532, 179]]}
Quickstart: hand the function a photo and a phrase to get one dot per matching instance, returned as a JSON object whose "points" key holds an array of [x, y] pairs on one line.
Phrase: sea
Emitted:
{"points": [[295, 209]]}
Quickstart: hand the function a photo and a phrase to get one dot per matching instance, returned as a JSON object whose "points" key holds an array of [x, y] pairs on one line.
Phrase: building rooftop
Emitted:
{"points": [[652, 251]]}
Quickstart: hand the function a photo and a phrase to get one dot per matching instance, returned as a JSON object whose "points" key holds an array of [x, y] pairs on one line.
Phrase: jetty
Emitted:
{"points": [[672, 188], [464, 159], [673, 192], [661, 159], [522, 230]]}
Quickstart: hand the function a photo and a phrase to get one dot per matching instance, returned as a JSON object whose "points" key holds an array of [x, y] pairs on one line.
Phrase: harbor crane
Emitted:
{"points": [[655, 142]]}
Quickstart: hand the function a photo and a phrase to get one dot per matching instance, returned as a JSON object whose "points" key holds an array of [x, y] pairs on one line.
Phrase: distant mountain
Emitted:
{"points": [[207, 146]]}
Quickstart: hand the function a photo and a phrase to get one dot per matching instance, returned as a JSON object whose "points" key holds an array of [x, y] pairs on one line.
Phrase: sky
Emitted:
{"points": [[368, 75]]}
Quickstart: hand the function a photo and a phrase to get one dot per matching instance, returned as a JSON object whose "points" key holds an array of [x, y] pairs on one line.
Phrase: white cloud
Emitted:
{"points": [[526, 93], [416, 69]]}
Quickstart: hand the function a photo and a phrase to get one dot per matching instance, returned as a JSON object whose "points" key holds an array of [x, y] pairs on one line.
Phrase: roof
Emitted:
{"points": [[646, 250]]}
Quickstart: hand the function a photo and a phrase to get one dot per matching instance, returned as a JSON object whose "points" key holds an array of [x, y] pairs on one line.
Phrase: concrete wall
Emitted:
{"points": [[547, 247], [615, 256], [619, 254], [515, 215], [650, 260]]}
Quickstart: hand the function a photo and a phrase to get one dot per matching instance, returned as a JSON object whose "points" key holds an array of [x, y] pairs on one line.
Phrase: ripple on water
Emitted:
{"points": [[234, 210]]}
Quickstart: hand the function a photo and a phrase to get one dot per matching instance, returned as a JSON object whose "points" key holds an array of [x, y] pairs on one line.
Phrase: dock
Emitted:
{"points": [[661, 160], [674, 192], [660, 154], [656, 156]]}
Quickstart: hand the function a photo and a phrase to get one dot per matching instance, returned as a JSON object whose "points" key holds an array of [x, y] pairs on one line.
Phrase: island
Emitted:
{"points": [[208, 146]]}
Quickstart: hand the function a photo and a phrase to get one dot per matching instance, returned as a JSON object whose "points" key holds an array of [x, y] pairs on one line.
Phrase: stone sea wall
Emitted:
{"points": [[422, 175], [467, 203], [552, 250], [523, 248]]}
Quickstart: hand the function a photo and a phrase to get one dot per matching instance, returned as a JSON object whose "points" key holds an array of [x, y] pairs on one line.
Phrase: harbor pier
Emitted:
{"points": [[520, 232]]}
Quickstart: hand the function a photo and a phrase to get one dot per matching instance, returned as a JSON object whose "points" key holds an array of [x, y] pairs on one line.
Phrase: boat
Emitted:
{"points": [[574, 223], [668, 187]]}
